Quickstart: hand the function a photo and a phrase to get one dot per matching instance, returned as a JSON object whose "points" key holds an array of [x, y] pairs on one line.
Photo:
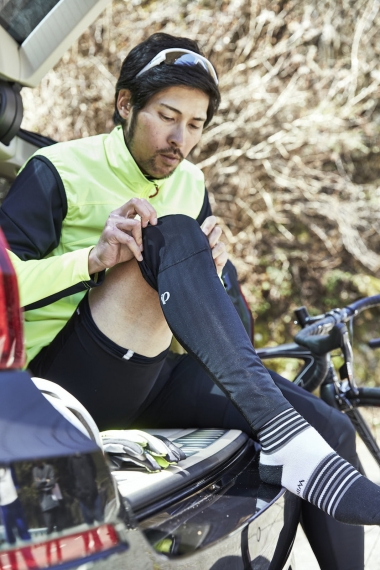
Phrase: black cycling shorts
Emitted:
{"points": [[112, 382]]}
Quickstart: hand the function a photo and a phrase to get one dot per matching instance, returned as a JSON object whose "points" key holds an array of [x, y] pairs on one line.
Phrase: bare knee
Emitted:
{"points": [[121, 280], [127, 310]]}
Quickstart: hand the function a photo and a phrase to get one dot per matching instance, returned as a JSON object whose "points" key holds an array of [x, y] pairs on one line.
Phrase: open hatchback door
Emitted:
{"points": [[33, 37]]}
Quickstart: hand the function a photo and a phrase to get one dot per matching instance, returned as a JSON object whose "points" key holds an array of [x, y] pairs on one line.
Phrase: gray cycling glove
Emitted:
{"points": [[136, 449]]}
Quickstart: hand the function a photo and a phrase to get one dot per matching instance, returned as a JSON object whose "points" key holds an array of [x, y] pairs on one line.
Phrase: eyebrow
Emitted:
{"points": [[203, 119]]}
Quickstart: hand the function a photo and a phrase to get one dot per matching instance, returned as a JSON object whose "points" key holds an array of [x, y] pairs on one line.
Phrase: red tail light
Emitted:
{"points": [[57, 551], [11, 331]]}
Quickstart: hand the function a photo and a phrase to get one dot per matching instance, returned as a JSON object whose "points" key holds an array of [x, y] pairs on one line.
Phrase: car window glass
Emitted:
{"points": [[20, 17], [73, 497]]}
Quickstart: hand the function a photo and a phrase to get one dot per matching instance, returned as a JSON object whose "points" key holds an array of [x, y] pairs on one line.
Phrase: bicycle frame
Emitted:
{"points": [[319, 336], [314, 368]]}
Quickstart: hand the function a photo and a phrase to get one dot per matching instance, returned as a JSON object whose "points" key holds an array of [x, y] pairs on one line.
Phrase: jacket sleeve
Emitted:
{"points": [[44, 281], [31, 218], [33, 211]]}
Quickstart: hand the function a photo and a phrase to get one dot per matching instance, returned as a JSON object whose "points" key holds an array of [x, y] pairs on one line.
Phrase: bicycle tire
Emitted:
{"points": [[365, 417]]}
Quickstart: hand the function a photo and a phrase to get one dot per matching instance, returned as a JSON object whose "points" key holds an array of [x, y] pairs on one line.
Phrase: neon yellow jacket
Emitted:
{"points": [[98, 175]]}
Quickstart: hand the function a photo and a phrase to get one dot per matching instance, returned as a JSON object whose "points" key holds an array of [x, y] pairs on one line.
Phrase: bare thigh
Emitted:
{"points": [[127, 310]]}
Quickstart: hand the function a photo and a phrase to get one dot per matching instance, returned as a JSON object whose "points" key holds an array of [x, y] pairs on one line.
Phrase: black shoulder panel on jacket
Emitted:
{"points": [[205, 210], [32, 213]]}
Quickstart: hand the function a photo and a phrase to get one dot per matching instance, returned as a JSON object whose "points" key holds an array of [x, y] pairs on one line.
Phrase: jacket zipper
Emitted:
{"points": [[156, 192]]}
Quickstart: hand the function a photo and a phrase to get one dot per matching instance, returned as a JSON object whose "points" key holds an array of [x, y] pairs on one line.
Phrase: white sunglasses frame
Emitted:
{"points": [[161, 56]]}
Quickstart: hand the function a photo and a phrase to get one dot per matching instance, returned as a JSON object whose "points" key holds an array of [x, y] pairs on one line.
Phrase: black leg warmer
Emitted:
{"points": [[178, 264]]}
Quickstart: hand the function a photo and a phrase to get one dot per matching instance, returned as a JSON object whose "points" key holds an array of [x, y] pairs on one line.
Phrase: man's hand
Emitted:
{"points": [[218, 249], [121, 239]]}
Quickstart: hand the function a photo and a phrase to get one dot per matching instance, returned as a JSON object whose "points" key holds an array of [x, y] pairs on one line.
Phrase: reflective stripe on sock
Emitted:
{"points": [[279, 431], [325, 483], [330, 482]]}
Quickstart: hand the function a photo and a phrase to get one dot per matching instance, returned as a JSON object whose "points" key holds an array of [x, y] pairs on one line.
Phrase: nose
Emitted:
{"points": [[177, 136]]}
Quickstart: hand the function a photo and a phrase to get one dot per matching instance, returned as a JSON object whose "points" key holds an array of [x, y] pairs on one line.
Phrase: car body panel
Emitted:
{"points": [[223, 517], [27, 63], [234, 519]]}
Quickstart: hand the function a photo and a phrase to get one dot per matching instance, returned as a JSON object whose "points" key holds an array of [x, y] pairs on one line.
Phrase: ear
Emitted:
{"points": [[124, 103]]}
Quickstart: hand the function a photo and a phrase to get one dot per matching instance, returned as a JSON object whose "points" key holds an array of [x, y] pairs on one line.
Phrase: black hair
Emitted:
{"points": [[161, 77]]}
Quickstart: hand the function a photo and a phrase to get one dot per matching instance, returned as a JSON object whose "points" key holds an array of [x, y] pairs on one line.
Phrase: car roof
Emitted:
{"points": [[35, 35]]}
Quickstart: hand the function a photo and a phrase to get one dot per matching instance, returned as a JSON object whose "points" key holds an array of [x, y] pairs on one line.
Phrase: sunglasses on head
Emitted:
{"points": [[176, 56]]}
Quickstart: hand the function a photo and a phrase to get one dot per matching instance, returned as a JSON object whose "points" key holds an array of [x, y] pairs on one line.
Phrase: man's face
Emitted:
{"points": [[166, 129]]}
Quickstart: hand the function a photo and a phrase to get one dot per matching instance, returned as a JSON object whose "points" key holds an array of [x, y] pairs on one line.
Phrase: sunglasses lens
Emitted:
{"points": [[189, 59], [180, 58], [173, 56]]}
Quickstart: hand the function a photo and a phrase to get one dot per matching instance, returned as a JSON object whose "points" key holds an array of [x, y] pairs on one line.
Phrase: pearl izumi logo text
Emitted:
{"points": [[165, 297]]}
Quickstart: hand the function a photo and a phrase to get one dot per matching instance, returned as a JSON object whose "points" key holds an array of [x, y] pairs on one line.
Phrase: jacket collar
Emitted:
{"points": [[124, 166]]}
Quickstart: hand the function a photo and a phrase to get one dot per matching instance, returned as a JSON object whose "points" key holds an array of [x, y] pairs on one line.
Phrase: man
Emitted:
{"points": [[110, 348], [45, 481], [84, 487]]}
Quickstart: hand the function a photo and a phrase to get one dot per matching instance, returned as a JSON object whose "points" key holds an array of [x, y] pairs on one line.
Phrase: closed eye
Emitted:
{"points": [[165, 118]]}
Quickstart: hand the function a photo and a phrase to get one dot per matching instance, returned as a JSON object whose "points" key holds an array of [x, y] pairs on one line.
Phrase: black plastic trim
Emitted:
{"points": [[149, 510], [37, 140], [11, 110]]}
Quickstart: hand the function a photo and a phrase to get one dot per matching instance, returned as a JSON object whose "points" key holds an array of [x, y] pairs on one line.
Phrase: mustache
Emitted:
{"points": [[171, 150]]}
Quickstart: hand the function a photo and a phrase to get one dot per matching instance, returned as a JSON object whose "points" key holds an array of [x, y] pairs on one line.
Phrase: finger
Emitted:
{"points": [[125, 239], [130, 207], [208, 225], [130, 225], [141, 207], [220, 262], [214, 236], [126, 225], [147, 213], [121, 222], [218, 250], [137, 235]]}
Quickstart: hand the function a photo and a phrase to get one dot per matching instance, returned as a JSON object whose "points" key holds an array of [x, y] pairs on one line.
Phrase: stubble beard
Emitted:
{"points": [[148, 167]]}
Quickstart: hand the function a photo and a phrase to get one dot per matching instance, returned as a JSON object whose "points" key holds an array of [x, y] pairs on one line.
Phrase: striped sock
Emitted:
{"points": [[295, 456]]}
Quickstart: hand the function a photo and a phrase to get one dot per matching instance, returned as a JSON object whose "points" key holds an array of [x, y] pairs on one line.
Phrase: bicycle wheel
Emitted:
{"points": [[365, 417]]}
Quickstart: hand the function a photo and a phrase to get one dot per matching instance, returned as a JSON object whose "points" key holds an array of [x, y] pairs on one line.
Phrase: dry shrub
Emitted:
{"points": [[291, 159]]}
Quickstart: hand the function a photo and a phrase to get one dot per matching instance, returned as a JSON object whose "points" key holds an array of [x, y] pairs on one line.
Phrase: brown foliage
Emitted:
{"points": [[292, 158]]}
